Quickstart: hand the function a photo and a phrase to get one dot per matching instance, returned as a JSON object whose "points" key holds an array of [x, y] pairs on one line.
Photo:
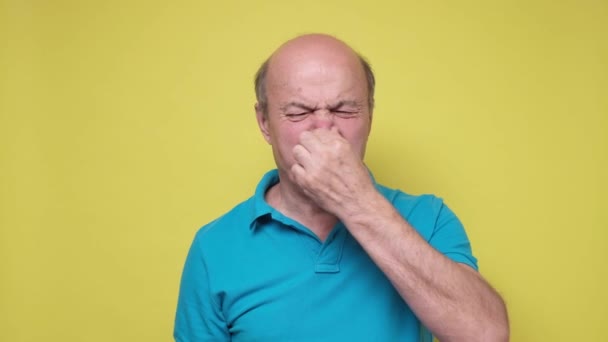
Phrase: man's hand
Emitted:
{"points": [[451, 299], [331, 173]]}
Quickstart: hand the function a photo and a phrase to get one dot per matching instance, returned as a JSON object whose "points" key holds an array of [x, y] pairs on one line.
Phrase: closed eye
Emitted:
{"points": [[296, 116], [345, 113]]}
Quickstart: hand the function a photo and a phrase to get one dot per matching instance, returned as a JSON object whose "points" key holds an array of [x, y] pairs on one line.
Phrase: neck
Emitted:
{"points": [[288, 198]]}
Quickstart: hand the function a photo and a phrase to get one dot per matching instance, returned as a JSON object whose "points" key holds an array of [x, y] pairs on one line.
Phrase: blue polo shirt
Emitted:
{"points": [[256, 275]]}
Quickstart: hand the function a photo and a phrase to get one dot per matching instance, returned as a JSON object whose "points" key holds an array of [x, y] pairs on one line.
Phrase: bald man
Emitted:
{"points": [[321, 252]]}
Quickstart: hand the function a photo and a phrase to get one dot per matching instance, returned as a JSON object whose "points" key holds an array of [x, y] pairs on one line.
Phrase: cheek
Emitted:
{"points": [[355, 132], [356, 135], [286, 137], [290, 131]]}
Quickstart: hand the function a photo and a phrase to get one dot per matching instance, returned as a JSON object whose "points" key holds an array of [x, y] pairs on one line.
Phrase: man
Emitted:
{"points": [[321, 252]]}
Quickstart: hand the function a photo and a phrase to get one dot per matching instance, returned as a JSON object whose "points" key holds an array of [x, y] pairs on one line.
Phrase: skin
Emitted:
{"points": [[318, 123], [315, 94]]}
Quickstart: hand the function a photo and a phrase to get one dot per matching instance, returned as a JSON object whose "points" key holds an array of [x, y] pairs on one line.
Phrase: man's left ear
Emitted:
{"points": [[262, 122]]}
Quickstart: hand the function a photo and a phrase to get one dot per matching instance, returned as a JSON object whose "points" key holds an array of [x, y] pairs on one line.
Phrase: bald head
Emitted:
{"points": [[310, 51]]}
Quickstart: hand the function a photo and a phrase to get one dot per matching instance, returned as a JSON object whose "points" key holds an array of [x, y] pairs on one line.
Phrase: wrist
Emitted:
{"points": [[367, 208]]}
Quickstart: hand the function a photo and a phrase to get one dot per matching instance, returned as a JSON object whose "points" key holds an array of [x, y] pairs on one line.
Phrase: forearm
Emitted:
{"points": [[455, 303], [451, 299]]}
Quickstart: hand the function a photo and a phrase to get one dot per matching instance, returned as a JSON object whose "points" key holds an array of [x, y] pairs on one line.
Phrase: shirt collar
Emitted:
{"points": [[260, 209]]}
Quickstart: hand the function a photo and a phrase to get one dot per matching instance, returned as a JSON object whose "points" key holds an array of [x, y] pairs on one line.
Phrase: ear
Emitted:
{"points": [[262, 122]]}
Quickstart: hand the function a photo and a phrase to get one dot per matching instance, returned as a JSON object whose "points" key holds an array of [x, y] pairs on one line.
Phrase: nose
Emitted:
{"points": [[323, 118]]}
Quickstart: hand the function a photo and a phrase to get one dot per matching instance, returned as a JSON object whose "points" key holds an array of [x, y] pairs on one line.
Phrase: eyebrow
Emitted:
{"points": [[297, 105], [310, 109], [345, 103]]}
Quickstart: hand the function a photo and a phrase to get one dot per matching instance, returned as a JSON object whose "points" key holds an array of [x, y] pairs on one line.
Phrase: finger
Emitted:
{"points": [[328, 135], [322, 140], [310, 140], [297, 174], [327, 141], [301, 155]]}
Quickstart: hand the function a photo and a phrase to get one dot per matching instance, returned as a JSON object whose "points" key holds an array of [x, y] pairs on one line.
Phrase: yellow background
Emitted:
{"points": [[125, 126]]}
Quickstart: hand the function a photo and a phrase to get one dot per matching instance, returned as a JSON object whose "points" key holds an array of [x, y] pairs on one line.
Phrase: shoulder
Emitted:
{"points": [[233, 229], [422, 211], [435, 222], [227, 228], [408, 204]]}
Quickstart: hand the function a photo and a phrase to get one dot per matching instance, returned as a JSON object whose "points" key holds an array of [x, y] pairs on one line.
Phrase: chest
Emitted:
{"points": [[299, 291]]}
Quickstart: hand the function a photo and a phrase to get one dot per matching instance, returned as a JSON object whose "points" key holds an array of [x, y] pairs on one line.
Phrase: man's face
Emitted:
{"points": [[311, 92]]}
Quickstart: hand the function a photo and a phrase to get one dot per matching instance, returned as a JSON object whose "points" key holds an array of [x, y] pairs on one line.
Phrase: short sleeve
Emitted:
{"points": [[199, 316], [449, 236]]}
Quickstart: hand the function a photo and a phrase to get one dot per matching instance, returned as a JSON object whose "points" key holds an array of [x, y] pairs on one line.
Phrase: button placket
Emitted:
{"points": [[328, 260]]}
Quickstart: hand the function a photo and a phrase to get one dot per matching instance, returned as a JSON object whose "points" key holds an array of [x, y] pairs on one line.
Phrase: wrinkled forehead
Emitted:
{"points": [[317, 84]]}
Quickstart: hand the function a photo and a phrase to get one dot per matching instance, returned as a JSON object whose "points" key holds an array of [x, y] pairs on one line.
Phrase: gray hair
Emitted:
{"points": [[262, 98]]}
